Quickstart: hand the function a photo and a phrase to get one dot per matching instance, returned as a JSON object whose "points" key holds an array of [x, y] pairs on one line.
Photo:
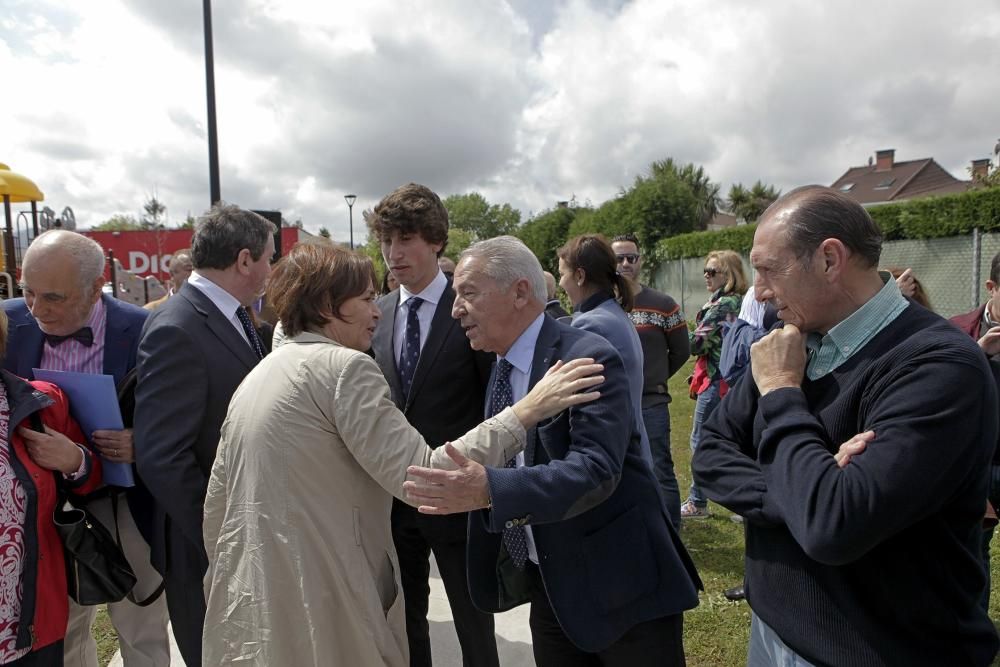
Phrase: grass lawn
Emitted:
{"points": [[716, 632]]}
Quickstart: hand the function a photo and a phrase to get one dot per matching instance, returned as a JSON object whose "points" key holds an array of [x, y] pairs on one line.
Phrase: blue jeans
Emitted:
{"points": [[767, 650], [657, 420], [707, 400]]}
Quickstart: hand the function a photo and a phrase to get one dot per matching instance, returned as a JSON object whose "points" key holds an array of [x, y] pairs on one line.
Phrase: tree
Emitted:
{"points": [[188, 222], [154, 208], [324, 232], [547, 231], [472, 213], [990, 180], [119, 222], [705, 192], [750, 203]]}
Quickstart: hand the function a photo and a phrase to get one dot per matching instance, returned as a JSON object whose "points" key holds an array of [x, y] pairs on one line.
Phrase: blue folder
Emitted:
{"points": [[93, 402]]}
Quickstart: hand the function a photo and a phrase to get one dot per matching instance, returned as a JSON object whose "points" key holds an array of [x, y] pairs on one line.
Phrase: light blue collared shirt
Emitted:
{"points": [[827, 353], [521, 355]]}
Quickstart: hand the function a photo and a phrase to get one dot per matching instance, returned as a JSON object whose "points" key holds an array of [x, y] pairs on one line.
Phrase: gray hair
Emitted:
{"points": [[506, 260], [223, 232], [88, 253]]}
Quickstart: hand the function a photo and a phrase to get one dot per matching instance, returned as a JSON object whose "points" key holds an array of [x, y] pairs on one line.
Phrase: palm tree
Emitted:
{"points": [[705, 191], [750, 203]]}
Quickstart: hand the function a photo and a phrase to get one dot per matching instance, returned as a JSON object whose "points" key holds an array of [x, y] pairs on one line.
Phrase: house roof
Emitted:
{"points": [[911, 179], [721, 220]]}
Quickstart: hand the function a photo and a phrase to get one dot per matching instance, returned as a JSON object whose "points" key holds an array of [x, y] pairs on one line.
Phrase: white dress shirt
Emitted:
{"points": [[432, 296], [223, 300]]}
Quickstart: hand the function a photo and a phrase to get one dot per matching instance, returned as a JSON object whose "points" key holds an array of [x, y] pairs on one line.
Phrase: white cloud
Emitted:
{"points": [[529, 106]]}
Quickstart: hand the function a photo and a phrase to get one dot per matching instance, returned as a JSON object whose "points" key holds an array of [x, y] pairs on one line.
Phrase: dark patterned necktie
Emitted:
{"points": [[515, 538], [244, 318], [410, 352]]}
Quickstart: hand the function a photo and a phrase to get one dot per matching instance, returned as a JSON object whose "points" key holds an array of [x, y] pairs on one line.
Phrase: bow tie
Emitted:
{"points": [[84, 335]]}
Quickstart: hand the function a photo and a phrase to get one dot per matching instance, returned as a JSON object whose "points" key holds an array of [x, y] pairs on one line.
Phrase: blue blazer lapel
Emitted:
{"points": [[119, 338], [28, 354], [545, 355], [220, 325]]}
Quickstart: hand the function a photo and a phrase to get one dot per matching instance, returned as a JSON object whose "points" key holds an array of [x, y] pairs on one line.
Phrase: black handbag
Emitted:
{"points": [[97, 571]]}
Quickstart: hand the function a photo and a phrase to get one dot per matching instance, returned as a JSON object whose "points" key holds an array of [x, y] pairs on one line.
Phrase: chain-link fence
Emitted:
{"points": [[953, 272]]}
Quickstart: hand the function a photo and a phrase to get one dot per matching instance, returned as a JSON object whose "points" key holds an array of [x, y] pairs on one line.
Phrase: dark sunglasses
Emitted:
{"points": [[711, 273], [629, 258]]}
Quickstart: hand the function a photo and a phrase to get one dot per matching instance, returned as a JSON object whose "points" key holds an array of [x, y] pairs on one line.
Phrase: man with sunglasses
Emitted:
{"points": [[665, 348]]}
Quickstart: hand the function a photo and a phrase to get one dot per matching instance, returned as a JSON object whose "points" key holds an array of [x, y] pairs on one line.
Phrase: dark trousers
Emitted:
{"points": [[414, 544], [186, 606], [49, 656], [987, 536], [657, 422], [657, 642]]}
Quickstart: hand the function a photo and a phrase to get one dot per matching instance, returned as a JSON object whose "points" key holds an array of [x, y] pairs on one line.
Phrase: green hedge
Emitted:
{"points": [[934, 217]]}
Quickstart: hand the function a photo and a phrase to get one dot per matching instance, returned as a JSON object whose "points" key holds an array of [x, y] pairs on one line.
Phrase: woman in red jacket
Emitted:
{"points": [[32, 569]]}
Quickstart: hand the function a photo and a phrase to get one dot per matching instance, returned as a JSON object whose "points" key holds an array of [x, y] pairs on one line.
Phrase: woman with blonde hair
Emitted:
{"points": [[726, 282]]}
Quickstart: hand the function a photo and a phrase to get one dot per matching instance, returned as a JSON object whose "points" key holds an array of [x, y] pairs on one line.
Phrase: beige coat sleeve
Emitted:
{"points": [[385, 444]]}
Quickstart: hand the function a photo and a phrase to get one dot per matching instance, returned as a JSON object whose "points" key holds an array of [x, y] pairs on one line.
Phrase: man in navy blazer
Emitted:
{"points": [[62, 276], [194, 351], [606, 574]]}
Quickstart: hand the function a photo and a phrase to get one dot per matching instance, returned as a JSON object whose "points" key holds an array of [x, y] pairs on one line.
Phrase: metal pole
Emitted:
{"points": [[213, 138], [977, 251], [10, 263], [350, 216], [114, 274], [34, 217]]}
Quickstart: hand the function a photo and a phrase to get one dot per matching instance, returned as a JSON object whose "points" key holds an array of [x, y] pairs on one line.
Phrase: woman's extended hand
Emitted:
{"points": [[559, 389], [52, 450]]}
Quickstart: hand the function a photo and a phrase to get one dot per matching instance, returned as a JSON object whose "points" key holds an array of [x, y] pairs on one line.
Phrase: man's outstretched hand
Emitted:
{"points": [[449, 491]]}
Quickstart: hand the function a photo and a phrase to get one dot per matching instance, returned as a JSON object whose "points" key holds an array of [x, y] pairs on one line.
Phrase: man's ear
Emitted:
{"points": [[243, 261], [522, 292], [991, 286], [580, 277], [97, 288], [834, 256]]}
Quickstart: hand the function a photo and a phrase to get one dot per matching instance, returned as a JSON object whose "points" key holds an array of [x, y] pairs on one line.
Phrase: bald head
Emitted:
{"points": [[61, 276], [550, 284], [59, 245]]}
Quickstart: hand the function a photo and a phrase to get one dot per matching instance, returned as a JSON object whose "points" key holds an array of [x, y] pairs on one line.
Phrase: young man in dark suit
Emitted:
{"points": [[195, 350], [574, 524], [438, 382], [65, 323]]}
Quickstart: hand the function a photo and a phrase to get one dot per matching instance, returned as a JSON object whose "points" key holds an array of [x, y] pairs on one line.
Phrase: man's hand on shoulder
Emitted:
{"points": [[778, 359]]}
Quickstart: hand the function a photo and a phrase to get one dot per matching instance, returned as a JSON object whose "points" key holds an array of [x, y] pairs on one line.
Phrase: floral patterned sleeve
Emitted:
{"points": [[706, 339]]}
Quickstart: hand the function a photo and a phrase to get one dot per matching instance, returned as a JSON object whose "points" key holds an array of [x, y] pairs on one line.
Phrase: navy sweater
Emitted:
{"points": [[876, 563]]}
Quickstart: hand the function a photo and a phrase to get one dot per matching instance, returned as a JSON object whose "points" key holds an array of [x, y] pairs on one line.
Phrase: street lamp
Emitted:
{"points": [[350, 212]]}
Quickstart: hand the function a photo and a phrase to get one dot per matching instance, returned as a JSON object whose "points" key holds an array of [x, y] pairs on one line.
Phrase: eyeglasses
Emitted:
{"points": [[628, 258], [711, 273]]}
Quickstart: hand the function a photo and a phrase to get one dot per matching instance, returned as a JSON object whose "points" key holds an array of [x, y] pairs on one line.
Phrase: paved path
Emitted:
{"points": [[513, 635]]}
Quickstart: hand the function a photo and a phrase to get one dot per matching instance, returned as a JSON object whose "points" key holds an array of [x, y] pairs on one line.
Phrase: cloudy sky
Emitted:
{"points": [[525, 101]]}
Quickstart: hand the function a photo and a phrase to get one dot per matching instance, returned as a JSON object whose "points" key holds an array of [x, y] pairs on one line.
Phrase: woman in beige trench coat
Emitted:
{"points": [[302, 565]]}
